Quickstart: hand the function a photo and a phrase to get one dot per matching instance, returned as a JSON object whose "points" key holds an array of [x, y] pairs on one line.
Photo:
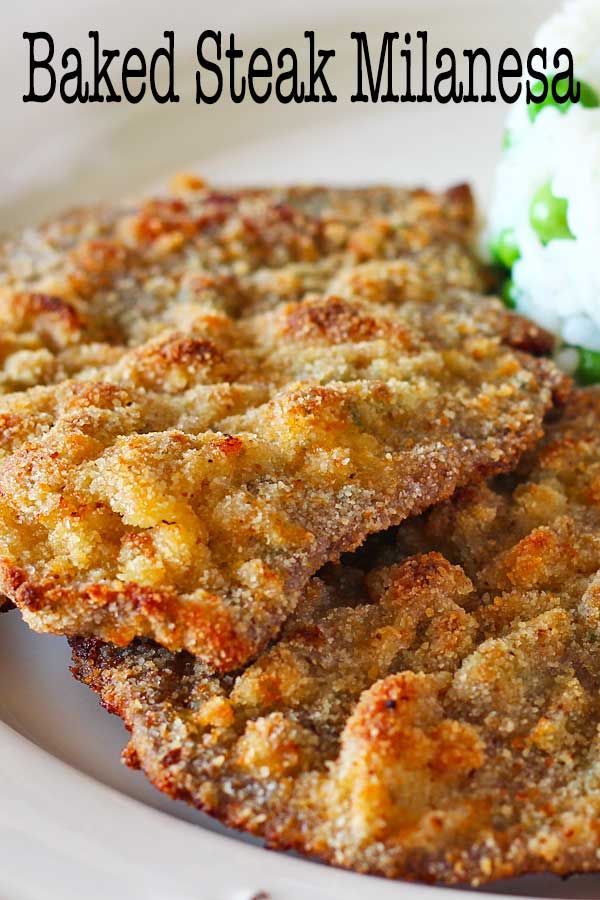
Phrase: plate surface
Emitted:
{"points": [[73, 821]]}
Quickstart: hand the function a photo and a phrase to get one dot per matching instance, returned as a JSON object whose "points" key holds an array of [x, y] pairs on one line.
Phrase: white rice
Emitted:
{"points": [[576, 26], [558, 285]]}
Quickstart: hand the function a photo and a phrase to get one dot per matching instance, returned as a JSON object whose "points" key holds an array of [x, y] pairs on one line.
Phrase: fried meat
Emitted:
{"points": [[421, 717], [78, 292], [185, 486]]}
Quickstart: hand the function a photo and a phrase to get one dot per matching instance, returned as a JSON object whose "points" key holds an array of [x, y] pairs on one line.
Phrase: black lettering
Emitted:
{"points": [[201, 96], [424, 96], [455, 90], [101, 72], [364, 58], [505, 72], [296, 92], [537, 77], [81, 90], [573, 91], [129, 71], [254, 71], [232, 53], [42, 64], [472, 56], [317, 72], [168, 54], [407, 56]]}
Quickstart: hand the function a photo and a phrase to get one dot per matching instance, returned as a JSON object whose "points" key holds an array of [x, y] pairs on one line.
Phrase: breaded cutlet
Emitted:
{"points": [[79, 292], [420, 717], [187, 490], [76, 293]]}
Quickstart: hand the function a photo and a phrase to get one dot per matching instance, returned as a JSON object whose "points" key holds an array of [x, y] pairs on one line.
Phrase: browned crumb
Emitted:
{"points": [[415, 721], [186, 490], [78, 292]]}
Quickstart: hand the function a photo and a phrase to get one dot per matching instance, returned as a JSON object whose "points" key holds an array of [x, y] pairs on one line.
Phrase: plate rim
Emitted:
{"points": [[256, 869]]}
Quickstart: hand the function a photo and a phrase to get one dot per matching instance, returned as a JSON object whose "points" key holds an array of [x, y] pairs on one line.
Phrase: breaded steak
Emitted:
{"points": [[76, 293], [414, 720], [79, 292], [188, 489]]}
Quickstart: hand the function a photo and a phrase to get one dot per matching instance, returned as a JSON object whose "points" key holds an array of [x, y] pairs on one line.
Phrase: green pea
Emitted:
{"points": [[589, 98], [509, 294], [505, 249], [548, 216], [508, 139], [588, 370]]}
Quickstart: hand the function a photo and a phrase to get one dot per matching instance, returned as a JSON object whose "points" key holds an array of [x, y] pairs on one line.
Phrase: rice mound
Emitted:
{"points": [[558, 283]]}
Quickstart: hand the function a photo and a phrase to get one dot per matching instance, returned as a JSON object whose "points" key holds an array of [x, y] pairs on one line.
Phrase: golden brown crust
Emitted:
{"points": [[76, 293], [415, 721], [209, 457], [192, 509]]}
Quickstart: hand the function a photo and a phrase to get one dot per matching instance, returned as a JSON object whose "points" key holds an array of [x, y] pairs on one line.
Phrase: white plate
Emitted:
{"points": [[73, 821]]}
